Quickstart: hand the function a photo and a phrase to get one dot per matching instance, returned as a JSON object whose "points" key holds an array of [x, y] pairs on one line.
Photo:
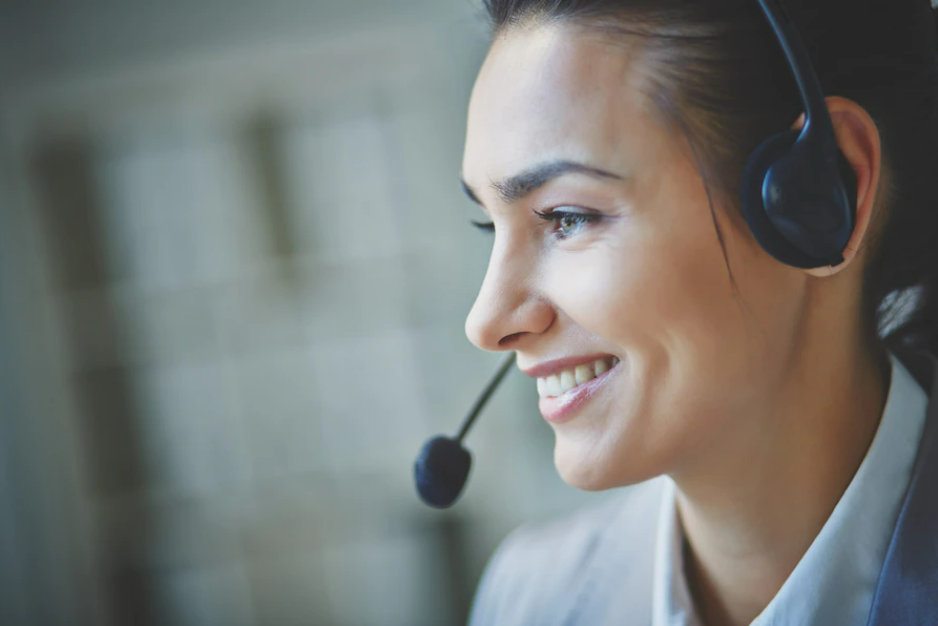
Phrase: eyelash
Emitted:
{"points": [[488, 227], [581, 219], [551, 216]]}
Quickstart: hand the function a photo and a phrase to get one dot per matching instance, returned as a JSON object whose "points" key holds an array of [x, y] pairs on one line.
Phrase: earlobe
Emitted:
{"points": [[859, 140]]}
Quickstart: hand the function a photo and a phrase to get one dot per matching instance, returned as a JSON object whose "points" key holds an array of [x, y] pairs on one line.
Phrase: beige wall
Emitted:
{"points": [[243, 267]]}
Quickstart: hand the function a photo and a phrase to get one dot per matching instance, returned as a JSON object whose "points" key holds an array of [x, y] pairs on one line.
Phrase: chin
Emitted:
{"points": [[592, 469], [584, 471]]}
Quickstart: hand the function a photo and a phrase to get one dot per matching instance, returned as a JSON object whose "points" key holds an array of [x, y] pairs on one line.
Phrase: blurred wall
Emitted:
{"points": [[13, 539], [235, 269]]}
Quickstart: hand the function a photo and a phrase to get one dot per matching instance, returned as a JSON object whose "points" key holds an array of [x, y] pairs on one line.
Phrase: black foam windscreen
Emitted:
{"points": [[441, 470], [442, 465]]}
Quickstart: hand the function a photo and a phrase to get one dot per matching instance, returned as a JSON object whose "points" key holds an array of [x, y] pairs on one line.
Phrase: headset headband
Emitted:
{"points": [[818, 128]]}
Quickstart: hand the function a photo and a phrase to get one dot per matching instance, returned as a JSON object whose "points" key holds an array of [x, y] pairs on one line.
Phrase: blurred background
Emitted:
{"points": [[235, 264]]}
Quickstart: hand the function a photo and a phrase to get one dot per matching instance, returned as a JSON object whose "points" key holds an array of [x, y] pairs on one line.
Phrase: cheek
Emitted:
{"points": [[663, 297], [647, 285], [662, 294]]}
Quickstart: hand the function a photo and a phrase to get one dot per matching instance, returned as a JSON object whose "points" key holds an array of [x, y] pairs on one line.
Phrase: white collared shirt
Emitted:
{"points": [[834, 582]]}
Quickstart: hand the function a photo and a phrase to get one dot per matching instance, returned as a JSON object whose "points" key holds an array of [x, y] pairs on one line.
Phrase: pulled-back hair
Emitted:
{"points": [[716, 74]]}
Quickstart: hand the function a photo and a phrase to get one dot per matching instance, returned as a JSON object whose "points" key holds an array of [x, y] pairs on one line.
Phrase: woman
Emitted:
{"points": [[774, 415]]}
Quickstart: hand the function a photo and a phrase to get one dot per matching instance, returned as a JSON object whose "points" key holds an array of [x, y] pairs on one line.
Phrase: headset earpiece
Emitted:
{"points": [[800, 207], [798, 192]]}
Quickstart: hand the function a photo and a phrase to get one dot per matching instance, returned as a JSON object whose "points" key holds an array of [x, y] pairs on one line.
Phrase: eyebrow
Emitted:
{"points": [[520, 185]]}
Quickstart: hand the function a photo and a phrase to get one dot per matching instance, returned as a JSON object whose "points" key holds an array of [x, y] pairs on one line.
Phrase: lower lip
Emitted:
{"points": [[563, 408]]}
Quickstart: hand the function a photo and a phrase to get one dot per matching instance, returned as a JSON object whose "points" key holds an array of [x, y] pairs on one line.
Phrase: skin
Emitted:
{"points": [[760, 404]]}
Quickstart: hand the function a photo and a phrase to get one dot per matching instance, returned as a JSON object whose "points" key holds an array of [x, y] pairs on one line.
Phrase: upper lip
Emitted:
{"points": [[549, 368]]}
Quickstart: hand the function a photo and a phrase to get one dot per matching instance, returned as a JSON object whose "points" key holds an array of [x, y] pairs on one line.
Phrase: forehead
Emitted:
{"points": [[550, 92]]}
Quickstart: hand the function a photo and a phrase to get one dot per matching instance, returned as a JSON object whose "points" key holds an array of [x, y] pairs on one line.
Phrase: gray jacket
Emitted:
{"points": [[571, 571]]}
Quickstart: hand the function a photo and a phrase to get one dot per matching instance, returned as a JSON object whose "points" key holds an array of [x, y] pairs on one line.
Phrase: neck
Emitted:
{"points": [[752, 507]]}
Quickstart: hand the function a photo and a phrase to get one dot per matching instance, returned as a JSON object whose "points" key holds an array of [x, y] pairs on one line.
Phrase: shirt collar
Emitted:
{"points": [[834, 582]]}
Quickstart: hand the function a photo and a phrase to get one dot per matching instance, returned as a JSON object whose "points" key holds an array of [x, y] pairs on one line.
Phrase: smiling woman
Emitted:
{"points": [[738, 353]]}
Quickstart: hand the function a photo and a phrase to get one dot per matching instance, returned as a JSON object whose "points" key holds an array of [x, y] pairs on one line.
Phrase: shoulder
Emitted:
{"points": [[546, 568]]}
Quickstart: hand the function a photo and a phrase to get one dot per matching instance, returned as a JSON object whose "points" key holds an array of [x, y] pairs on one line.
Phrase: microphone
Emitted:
{"points": [[442, 467]]}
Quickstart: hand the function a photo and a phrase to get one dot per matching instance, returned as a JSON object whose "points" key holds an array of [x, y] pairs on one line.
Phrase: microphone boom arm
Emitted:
{"points": [[484, 397]]}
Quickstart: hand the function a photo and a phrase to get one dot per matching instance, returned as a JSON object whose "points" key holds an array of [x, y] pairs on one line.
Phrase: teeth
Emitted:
{"points": [[601, 368], [559, 384], [567, 381], [548, 387], [584, 373]]}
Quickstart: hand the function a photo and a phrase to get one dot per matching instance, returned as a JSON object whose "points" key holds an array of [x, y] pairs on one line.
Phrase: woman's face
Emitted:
{"points": [[634, 272]]}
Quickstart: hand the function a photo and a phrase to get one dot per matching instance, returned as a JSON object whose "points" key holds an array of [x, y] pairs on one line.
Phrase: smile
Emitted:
{"points": [[568, 380]]}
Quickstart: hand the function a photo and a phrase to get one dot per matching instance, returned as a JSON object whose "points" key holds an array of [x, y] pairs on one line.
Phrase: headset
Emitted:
{"points": [[798, 195]]}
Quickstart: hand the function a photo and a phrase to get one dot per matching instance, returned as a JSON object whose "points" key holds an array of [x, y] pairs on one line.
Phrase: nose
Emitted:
{"points": [[507, 309]]}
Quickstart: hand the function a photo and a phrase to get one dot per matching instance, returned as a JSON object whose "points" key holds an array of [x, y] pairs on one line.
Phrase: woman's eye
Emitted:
{"points": [[568, 222]]}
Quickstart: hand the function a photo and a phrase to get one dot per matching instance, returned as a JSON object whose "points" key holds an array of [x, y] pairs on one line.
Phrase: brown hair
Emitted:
{"points": [[717, 75]]}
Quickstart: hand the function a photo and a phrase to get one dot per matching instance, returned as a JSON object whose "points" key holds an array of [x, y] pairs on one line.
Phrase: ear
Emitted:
{"points": [[858, 138]]}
